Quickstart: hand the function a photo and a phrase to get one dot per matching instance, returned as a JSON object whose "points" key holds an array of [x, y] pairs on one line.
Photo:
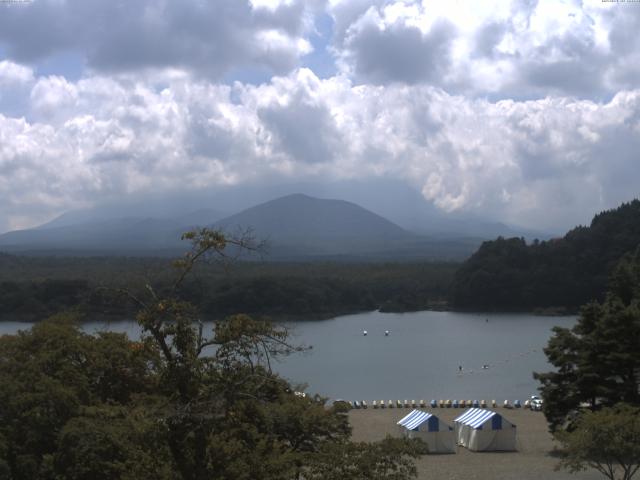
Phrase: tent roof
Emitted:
{"points": [[475, 417], [414, 419]]}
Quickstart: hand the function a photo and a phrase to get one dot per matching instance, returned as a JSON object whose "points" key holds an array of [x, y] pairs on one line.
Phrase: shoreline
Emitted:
{"points": [[102, 317]]}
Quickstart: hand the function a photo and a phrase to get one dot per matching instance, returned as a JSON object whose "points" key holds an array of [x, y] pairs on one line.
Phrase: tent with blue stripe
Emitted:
{"points": [[484, 430], [426, 426]]}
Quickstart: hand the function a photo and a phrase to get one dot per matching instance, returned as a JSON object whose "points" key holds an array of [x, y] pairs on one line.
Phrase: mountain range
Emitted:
{"points": [[294, 227]]}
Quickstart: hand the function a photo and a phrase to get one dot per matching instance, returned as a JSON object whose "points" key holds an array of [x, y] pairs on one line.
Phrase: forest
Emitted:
{"points": [[557, 275], [592, 394], [82, 407], [554, 276], [32, 288]]}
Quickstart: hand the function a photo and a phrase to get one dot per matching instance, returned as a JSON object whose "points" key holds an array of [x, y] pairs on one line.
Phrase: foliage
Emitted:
{"points": [[32, 288], [607, 440], [560, 273], [180, 404], [108, 441], [598, 360], [48, 374], [389, 459]]}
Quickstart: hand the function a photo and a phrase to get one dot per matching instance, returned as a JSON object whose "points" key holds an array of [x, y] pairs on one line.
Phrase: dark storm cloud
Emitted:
{"points": [[488, 36], [401, 53], [572, 62], [522, 49], [569, 77], [208, 37], [306, 132], [346, 13], [623, 34], [578, 69], [207, 140]]}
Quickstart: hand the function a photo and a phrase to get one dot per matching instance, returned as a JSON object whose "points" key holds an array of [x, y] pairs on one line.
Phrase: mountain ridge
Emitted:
{"points": [[297, 226]]}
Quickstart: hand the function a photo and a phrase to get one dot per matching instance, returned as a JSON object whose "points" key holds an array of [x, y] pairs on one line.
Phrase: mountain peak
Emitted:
{"points": [[296, 196], [319, 225], [295, 226]]}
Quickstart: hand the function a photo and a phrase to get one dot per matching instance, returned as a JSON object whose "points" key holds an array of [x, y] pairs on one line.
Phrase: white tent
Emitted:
{"points": [[426, 426], [484, 430]]}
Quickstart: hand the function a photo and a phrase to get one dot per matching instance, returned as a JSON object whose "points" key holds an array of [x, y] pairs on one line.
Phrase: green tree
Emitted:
{"points": [[607, 440], [180, 404], [107, 442], [558, 274], [229, 414], [390, 459], [47, 374], [598, 360]]}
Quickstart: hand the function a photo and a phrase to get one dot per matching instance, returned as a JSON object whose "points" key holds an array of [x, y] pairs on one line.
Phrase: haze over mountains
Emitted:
{"points": [[295, 227]]}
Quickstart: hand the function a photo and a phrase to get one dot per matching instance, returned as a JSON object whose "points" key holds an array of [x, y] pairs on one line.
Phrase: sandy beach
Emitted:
{"points": [[533, 460]]}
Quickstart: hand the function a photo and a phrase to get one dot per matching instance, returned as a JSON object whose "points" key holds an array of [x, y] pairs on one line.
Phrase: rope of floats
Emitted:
{"points": [[486, 366]]}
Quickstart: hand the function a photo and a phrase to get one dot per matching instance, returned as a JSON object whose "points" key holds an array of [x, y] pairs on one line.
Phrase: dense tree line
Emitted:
{"points": [[598, 360], [84, 407], [509, 274], [592, 397], [32, 287]]}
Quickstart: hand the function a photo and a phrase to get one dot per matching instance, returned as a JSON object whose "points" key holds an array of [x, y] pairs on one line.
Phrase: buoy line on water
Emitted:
{"points": [[487, 366]]}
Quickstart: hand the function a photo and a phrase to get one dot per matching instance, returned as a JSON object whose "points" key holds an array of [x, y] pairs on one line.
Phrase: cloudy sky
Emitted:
{"points": [[526, 112]]}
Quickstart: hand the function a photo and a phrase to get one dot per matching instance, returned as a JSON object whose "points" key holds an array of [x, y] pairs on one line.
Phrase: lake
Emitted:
{"points": [[420, 358]]}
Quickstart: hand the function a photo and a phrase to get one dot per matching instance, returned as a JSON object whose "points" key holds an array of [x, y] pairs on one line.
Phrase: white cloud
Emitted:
{"points": [[502, 49], [53, 96], [525, 111], [15, 84], [533, 162], [13, 74]]}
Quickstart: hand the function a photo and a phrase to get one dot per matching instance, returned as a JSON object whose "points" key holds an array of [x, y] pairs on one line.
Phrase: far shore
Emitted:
{"points": [[130, 316], [535, 458]]}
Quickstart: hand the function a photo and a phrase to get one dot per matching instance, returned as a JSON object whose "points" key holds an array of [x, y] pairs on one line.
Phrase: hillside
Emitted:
{"points": [[508, 274], [74, 234], [299, 224], [122, 235], [302, 227], [295, 227]]}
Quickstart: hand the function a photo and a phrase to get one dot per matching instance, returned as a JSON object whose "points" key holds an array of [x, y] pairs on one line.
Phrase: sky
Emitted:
{"points": [[526, 112]]}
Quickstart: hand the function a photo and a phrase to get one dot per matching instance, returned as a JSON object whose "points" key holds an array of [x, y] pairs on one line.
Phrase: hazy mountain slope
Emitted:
{"points": [[132, 236], [296, 227], [316, 226], [203, 216], [124, 234], [395, 201]]}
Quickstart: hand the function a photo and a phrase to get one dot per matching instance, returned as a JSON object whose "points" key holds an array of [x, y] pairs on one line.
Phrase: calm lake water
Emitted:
{"points": [[419, 359]]}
